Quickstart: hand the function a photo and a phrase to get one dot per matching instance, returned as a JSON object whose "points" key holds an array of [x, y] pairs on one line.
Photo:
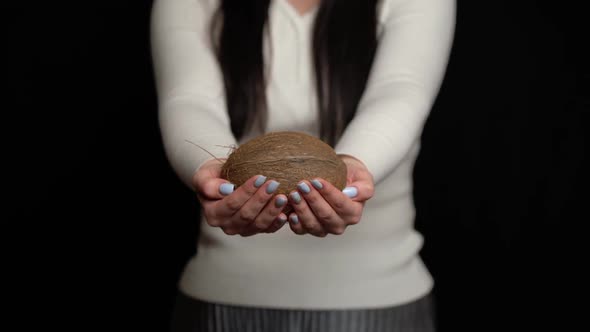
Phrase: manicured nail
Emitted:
{"points": [[259, 181], [282, 220], [296, 197], [272, 187], [280, 201], [226, 188], [317, 184], [294, 219], [304, 187], [350, 191]]}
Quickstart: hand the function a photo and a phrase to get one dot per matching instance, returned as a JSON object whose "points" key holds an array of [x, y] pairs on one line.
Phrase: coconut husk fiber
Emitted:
{"points": [[287, 157]]}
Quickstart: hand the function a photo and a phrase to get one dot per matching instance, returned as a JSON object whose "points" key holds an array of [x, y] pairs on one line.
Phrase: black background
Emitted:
{"points": [[103, 227]]}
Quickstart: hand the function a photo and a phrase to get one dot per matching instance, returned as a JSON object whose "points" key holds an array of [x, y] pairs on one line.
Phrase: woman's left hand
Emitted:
{"points": [[321, 209]]}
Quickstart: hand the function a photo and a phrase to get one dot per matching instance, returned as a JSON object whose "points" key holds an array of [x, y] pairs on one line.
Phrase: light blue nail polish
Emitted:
{"points": [[280, 201], [282, 220], [294, 219], [259, 181], [317, 184], [226, 188], [296, 197], [350, 191], [304, 187], [272, 187]]}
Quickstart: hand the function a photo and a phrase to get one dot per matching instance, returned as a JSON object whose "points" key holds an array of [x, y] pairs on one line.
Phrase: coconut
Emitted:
{"points": [[287, 157]]}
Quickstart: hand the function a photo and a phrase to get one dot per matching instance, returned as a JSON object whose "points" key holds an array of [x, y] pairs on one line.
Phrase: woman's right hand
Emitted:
{"points": [[250, 209]]}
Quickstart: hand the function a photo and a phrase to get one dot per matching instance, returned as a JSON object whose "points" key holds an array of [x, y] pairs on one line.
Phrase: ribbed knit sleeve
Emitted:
{"points": [[409, 65], [191, 104]]}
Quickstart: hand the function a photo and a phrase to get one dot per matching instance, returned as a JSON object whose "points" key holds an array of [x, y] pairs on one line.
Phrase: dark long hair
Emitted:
{"points": [[344, 44]]}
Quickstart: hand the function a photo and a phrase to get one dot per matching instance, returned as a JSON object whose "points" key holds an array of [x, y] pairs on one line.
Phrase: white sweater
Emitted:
{"points": [[374, 263]]}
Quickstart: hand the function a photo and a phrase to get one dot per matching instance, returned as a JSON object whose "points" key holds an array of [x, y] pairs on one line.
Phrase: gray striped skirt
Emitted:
{"points": [[192, 315]]}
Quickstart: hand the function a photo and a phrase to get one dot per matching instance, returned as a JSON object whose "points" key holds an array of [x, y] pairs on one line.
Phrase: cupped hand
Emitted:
{"points": [[250, 209], [321, 209]]}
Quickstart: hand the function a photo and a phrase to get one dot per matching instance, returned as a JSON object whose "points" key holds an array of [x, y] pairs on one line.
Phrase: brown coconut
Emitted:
{"points": [[287, 157]]}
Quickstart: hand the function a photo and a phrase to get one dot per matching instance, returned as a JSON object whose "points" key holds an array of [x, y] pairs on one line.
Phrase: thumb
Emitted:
{"points": [[208, 183], [359, 191], [361, 187], [216, 188]]}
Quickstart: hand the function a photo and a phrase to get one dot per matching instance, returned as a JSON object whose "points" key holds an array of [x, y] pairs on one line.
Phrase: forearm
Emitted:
{"points": [[405, 79], [192, 135], [189, 85], [381, 139]]}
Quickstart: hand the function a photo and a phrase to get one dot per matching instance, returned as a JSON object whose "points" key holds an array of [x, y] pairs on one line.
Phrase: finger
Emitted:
{"points": [[295, 225], [247, 232], [338, 200], [230, 230], [232, 203], [209, 207], [269, 213], [248, 214], [305, 215], [323, 211], [278, 223]]}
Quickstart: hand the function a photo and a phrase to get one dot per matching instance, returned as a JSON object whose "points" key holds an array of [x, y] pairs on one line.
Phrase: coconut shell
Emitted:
{"points": [[287, 157]]}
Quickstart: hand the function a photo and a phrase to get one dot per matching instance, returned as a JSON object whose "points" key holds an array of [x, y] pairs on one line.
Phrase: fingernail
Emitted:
{"points": [[294, 219], [280, 201], [296, 197], [304, 187], [226, 188], [272, 187], [259, 181], [317, 184], [282, 219], [350, 191]]}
